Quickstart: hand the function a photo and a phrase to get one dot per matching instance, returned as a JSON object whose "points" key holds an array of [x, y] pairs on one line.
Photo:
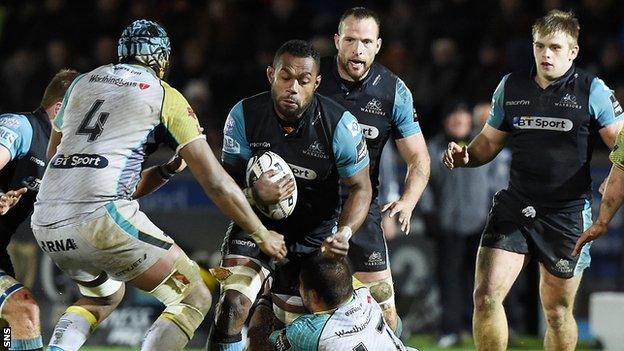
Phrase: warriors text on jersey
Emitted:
{"points": [[381, 103], [109, 118], [326, 144], [552, 132]]}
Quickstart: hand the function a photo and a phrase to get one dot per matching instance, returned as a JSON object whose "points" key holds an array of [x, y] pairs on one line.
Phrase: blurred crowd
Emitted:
{"points": [[444, 50]]}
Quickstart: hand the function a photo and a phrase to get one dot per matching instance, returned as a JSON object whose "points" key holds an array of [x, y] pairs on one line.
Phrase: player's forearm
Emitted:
{"points": [[355, 209], [151, 180], [228, 196], [416, 178], [613, 196], [480, 152]]}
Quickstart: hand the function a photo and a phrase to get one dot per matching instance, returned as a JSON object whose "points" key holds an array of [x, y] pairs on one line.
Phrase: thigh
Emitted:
{"points": [[367, 248], [496, 271], [504, 228], [287, 303], [556, 291]]}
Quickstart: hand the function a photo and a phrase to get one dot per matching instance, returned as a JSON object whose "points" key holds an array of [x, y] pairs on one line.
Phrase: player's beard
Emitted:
{"points": [[290, 114], [344, 63]]}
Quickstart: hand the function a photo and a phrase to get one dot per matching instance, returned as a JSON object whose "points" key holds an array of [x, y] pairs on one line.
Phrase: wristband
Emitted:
{"points": [[260, 234], [345, 231], [164, 172]]}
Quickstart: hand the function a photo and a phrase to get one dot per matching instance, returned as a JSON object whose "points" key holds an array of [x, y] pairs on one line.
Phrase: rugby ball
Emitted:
{"points": [[264, 162]]}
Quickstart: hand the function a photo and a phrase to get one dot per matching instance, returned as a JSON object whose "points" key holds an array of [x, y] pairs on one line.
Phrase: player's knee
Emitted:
{"points": [[383, 292], [186, 298], [235, 305], [486, 300], [200, 297], [557, 314], [21, 308]]}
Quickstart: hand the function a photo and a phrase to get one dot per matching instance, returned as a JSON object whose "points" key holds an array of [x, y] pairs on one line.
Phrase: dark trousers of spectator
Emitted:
{"points": [[456, 257]]}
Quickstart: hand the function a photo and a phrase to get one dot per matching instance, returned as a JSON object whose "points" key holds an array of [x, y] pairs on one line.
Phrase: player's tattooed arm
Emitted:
{"points": [[612, 200], [414, 151], [609, 133], [481, 150]]}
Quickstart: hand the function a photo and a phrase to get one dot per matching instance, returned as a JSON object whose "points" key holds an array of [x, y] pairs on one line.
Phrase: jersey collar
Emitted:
{"points": [[564, 79], [303, 121]]}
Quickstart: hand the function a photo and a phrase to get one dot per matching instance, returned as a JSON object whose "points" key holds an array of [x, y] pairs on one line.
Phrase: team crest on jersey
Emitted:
{"points": [[190, 112], [563, 266], [316, 150], [374, 107], [569, 101]]}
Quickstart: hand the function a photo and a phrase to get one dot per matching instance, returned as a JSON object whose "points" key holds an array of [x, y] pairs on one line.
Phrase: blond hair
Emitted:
{"points": [[57, 87], [556, 21]]}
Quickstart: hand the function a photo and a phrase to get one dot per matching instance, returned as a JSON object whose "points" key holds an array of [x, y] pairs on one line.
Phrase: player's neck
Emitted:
{"points": [[321, 307]]}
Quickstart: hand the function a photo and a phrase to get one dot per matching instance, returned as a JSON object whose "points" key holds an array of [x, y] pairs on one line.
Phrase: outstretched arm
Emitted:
{"points": [[482, 149], [611, 202], [228, 196], [414, 151]]}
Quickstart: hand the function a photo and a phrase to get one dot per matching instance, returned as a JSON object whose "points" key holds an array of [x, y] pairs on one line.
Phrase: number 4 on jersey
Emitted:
{"points": [[95, 130]]}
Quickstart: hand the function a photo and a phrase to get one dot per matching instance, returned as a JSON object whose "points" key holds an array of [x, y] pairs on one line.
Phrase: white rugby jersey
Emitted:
{"points": [[357, 325], [108, 118]]}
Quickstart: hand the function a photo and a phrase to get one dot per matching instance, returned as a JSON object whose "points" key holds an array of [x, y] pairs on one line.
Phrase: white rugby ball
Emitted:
{"points": [[271, 161]]}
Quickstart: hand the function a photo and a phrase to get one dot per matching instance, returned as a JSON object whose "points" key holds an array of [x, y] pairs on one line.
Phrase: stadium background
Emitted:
{"points": [[443, 50]]}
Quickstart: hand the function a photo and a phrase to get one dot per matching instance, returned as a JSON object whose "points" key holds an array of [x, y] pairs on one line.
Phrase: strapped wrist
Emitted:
{"points": [[260, 234], [345, 231], [164, 172]]}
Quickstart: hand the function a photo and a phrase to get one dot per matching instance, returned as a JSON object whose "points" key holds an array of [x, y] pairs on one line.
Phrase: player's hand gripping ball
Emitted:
{"points": [[262, 163]]}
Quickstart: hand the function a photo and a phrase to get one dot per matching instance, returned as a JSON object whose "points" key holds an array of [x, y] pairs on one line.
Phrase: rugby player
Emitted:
{"points": [[24, 139], [383, 106], [85, 218], [340, 318], [549, 115], [322, 142]]}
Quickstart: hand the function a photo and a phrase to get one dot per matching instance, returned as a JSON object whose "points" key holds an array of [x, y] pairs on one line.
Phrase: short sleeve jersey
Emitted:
{"points": [[108, 119], [381, 102], [552, 133], [326, 145], [357, 325], [25, 136]]}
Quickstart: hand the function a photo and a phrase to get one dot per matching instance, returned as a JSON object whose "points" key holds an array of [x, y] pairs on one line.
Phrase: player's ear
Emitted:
{"points": [[57, 108], [270, 74], [336, 40], [317, 82], [574, 52], [378, 46]]}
